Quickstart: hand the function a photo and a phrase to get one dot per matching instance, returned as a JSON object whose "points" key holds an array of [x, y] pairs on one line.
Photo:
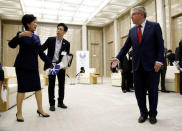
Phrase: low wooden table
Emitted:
{"points": [[177, 82], [93, 78], [46, 80]]}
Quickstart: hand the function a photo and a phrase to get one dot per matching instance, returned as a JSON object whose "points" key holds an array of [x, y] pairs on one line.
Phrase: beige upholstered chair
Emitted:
{"points": [[170, 78], [85, 78], [116, 79]]}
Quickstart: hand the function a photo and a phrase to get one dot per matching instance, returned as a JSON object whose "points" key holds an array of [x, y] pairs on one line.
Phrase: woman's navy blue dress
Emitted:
{"points": [[26, 63]]}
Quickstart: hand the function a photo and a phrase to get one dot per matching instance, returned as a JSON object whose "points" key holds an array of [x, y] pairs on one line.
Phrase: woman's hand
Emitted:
{"points": [[25, 33]]}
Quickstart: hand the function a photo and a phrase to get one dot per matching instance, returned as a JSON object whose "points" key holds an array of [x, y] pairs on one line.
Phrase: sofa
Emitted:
{"points": [[170, 82], [116, 79], [11, 83], [86, 78]]}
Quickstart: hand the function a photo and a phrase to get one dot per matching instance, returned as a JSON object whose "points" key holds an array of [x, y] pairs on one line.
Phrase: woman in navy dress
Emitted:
{"points": [[26, 64]]}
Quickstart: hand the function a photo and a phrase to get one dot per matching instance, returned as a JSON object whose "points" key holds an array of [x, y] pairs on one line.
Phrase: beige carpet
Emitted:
{"points": [[95, 108]]}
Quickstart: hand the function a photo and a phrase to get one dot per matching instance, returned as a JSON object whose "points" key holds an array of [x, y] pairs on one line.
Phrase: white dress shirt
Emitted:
{"points": [[57, 49]]}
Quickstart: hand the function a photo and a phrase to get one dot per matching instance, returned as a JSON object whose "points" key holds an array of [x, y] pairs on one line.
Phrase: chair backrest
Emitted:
{"points": [[90, 70], [10, 72]]}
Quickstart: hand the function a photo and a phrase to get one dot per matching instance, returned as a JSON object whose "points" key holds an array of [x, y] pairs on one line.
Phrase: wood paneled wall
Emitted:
{"points": [[176, 32], [9, 54], [176, 7], [124, 27], [176, 23], [75, 44], [109, 47], [150, 6], [95, 47]]}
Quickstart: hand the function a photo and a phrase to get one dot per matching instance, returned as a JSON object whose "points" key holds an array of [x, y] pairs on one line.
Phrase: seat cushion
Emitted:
{"points": [[12, 88]]}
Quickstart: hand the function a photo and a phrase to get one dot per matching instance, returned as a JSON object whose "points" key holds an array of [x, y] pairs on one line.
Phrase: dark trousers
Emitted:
{"points": [[127, 81], [180, 83], [61, 83], [146, 81], [163, 75]]}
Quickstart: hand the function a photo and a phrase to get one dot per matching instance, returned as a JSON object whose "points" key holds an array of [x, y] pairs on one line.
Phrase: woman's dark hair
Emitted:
{"points": [[82, 68], [27, 19], [64, 26]]}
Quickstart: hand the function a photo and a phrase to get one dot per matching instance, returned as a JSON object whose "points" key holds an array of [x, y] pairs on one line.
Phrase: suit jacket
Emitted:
{"points": [[29, 49], [126, 64], [50, 45], [150, 50], [180, 53]]}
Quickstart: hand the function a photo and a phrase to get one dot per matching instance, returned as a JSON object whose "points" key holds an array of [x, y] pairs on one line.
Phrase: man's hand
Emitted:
{"points": [[121, 70], [64, 68], [25, 33], [157, 66], [114, 62], [53, 64]]}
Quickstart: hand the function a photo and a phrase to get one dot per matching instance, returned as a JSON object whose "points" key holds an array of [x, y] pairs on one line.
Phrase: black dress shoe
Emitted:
{"points": [[164, 91], [52, 108], [153, 120], [62, 106], [124, 91], [43, 115], [142, 119], [19, 120]]}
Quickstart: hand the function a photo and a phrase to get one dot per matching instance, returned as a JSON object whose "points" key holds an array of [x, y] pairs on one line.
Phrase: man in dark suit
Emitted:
{"points": [[170, 57], [57, 48], [163, 73], [180, 63], [148, 55], [126, 72], [2, 84]]}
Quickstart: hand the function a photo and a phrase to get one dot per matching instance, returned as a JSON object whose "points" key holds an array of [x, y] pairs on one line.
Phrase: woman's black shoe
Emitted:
{"points": [[46, 115], [19, 120]]}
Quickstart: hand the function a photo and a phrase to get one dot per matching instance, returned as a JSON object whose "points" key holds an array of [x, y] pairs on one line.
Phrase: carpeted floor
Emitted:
{"points": [[98, 107]]}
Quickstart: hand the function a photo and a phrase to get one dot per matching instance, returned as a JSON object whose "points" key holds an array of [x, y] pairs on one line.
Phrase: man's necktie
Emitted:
{"points": [[139, 33]]}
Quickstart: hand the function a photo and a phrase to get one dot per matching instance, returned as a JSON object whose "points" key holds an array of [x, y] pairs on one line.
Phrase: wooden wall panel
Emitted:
{"points": [[95, 47], [9, 54], [109, 47], [176, 7], [75, 44], [176, 32], [150, 6], [109, 55], [124, 27]]}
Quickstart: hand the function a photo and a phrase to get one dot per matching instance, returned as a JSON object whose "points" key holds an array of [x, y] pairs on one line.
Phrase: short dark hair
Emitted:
{"points": [[169, 51], [64, 26], [82, 68], [27, 19], [140, 9]]}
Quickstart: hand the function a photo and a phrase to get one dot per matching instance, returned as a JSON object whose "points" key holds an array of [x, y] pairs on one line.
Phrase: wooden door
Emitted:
{"points": [[95, 48], [109, 55]]}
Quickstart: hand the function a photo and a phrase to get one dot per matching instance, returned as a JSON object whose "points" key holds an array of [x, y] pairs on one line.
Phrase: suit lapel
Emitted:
{"points": [[146, 29], [53, 44]]}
